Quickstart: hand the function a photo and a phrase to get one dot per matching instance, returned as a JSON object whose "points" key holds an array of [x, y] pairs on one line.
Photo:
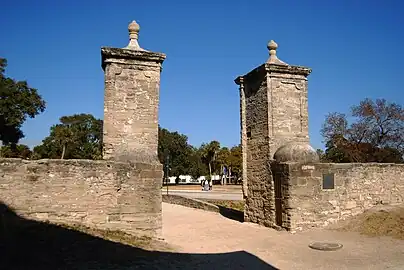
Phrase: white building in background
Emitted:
{"points": [[188, 179], [185, 179], [171, 180]]}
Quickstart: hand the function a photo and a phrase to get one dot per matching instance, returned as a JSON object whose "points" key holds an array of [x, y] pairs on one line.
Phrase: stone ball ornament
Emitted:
{"points": [[296, 152]]}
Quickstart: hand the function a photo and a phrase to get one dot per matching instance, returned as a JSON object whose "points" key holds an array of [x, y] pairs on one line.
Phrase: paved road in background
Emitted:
{"points": [[213, 195]]}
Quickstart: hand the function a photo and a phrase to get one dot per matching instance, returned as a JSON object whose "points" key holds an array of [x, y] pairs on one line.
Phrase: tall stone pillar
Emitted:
{"points": [[131, 102], [274, 112]]}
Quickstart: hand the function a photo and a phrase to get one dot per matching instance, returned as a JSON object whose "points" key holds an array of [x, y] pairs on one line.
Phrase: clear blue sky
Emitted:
{"points": [[353, 47]]}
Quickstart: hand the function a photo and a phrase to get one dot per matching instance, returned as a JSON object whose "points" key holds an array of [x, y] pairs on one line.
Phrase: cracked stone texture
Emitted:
{"points": [[102, 194], [132, 85]]}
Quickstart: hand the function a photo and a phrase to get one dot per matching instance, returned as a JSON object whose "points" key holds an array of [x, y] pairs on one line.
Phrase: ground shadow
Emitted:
{"points": [[231, 213], [28, 244], [205, 205]]}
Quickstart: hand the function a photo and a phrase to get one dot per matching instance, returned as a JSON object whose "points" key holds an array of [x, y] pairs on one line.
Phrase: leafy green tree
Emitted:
{"points": [[18, 101], [375, 135], [197, 166], [231, 159], [20, 151], [175, 146], [208, 154], [76, 137], [337, 150], [222, 159], [320, 153], [215, 158], [236, 160], [63, 135]]}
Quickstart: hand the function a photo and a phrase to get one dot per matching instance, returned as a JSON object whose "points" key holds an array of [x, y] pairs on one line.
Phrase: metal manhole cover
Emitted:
{"points": [[325, 246]]}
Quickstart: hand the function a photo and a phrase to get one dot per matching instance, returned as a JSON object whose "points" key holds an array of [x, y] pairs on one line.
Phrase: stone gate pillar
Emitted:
{"points": [[132, 85], [274, 113]]}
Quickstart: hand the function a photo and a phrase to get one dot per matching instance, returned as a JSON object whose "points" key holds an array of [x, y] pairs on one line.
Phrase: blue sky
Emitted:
{"points": [[353, 47]]}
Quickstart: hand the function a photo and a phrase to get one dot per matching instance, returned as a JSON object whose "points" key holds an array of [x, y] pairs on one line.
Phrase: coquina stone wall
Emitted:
{"points": [[101, 194], [284, 186], [256, 150], [122, 192], [131, 101], [273, 112], [315, 195]]}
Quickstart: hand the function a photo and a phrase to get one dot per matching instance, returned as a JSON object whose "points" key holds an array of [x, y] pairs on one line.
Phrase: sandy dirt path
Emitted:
{"points": [[234, 245]]}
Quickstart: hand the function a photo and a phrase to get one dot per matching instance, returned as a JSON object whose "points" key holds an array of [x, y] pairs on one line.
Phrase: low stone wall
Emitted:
{"points": [[315, 195], [101, 194], [188, 202]]}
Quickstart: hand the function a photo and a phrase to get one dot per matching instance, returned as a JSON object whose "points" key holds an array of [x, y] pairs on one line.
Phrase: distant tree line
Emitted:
{"points": [[80, 137], [185, 159], [18, 101], [376, 134]]}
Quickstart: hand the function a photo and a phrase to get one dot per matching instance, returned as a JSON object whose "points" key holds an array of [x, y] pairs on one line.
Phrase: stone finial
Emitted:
{"points": [[133, 37], [296, 152], [273, 59]]}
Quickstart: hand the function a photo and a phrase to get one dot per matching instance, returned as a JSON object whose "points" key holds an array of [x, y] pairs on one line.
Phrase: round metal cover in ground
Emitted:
{"points": [[324, 246]]}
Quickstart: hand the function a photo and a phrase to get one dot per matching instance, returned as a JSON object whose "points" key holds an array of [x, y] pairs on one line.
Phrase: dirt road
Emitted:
{"points": [[197, 231], [211, 195]]}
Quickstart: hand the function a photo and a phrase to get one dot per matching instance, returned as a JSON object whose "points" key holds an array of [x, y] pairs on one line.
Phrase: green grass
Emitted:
{"points": [[235, 205]]}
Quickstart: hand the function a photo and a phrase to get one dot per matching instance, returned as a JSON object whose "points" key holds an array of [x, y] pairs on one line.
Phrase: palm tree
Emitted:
{"points": [[209, 153], [63, 136]]}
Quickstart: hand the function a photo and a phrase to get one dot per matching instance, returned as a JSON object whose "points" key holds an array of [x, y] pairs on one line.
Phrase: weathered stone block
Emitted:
{"points": [[350, 198], [273, 111], [132, 85], [89, 195]]}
